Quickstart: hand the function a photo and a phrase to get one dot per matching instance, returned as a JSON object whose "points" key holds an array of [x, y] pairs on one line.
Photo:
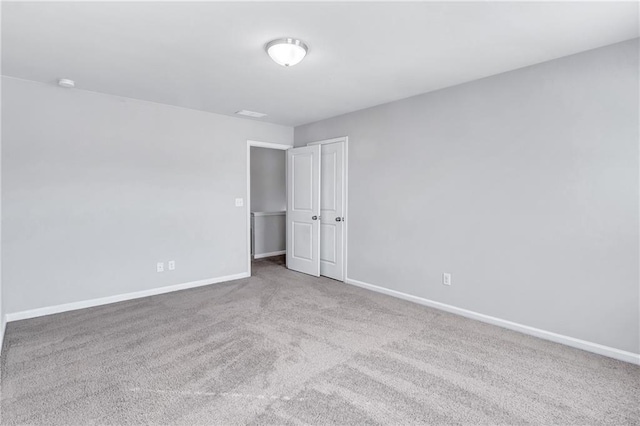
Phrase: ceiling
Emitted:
{"points": [[210, 56]]}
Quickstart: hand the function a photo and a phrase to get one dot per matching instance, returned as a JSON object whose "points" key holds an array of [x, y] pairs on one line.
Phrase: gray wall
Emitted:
{"points": [[523, 185], [97, 189], [2, 300], [268, 180]]}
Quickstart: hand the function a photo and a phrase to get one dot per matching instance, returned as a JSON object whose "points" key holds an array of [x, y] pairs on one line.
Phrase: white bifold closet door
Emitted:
{"points": [[332, 211], [303, 209], [315, 210]]}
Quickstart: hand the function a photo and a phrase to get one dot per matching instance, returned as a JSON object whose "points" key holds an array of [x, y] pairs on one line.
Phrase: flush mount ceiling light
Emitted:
{"points": [[286, 51]]}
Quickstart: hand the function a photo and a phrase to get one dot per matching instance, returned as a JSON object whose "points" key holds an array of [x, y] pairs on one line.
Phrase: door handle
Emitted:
{"points": [[314, 217], [338, 219]]}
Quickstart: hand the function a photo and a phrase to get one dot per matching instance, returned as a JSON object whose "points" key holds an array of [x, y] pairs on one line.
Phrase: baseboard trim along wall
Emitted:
{"points": [[49, 310], [270, 254], [3, 327], [621, 355]]}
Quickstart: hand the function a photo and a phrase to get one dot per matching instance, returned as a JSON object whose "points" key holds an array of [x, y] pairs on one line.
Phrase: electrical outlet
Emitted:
{"points": [[172, 265], [239, 202], [160, 267], [446, 278]]}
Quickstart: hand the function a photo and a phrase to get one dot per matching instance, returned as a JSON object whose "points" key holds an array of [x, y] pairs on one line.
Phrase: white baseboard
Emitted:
{"points": [[273, 253], [3, 327], [547, 335], [48, 310]]}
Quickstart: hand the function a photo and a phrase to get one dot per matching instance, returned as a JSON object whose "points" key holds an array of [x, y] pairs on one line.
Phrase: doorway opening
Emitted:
{"points": [[297, 206], [266, 202]]}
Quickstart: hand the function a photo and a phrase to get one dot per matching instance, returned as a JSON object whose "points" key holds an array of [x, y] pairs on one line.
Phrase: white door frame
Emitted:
{"points": [[258, 144], [344, 139]]}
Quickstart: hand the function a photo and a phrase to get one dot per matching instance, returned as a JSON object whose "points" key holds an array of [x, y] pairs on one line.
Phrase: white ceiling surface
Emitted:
{"points": [[210, 56]]}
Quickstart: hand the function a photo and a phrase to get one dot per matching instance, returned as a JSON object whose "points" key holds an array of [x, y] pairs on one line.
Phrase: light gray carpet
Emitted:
{"points": [[284, 348]]}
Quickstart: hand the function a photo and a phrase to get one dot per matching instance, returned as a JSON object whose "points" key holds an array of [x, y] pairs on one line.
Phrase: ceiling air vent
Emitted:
{"points": [[251, 113]]}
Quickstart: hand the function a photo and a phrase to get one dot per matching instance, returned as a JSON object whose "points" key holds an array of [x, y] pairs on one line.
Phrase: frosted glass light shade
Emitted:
{"points": [[287, 51]]}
